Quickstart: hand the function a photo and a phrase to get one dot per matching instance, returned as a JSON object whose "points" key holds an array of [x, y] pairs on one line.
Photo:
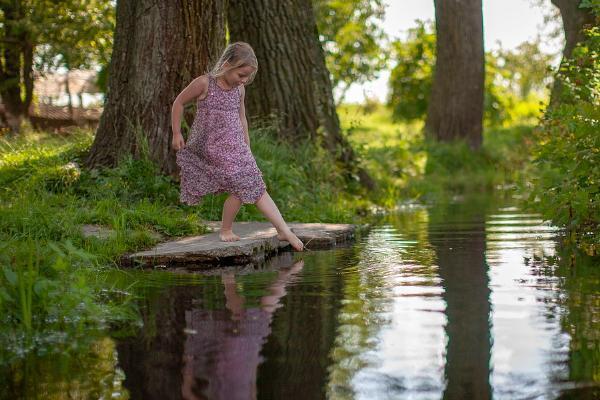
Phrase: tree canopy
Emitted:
{"points": [[353, 40]]}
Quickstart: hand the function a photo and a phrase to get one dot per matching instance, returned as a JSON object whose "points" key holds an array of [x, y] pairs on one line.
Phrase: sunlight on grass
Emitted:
{"points": [[406, 166]]}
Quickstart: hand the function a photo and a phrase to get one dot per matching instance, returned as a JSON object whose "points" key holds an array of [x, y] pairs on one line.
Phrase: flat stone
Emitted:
{"points": [[258, 241], [103, 232], [97, 231]]}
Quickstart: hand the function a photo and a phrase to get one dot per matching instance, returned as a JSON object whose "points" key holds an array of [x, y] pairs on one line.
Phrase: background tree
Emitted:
{"points": [[17, 41], [81, 37], [45, 35], [516, 83], [456, 107], [293, 83], [352, 38], [515, 79], [158, 49], [575, 15]]}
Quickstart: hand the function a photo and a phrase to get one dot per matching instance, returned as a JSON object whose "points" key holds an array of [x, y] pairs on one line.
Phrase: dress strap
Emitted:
{"points": [[211, 80]]}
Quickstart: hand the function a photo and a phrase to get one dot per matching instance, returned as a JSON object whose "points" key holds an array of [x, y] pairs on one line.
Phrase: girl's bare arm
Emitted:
{"points": [[198, 88]]}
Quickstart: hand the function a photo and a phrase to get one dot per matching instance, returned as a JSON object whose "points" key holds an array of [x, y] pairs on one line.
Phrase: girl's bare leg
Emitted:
{"points": [[266, 205], [230, 209]]}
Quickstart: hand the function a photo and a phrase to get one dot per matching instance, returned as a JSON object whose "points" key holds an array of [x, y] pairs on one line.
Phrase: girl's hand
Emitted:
{"points": [[178, 142]]}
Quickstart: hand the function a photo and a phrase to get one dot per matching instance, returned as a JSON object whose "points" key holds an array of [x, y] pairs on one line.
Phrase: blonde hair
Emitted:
{"points": [[236, 55]]}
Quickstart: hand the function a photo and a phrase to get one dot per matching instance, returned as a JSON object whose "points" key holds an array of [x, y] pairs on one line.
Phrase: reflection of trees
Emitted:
{"points": [[460, 255], [89, 373], [583, 319], [297, 354], [226, 324], [579, 279], [153, 361]]}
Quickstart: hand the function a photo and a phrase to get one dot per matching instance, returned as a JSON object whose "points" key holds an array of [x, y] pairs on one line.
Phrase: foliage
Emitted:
{"points": [[567, 156], [54, 295], [65, 33], [50, 301], [593, 5], [390, 150], [81, 34], [514, 86], [352, 36], [411, 79]]}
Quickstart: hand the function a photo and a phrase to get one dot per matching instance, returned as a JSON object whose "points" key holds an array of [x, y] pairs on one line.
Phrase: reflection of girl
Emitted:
{"points": [[222, 357]]}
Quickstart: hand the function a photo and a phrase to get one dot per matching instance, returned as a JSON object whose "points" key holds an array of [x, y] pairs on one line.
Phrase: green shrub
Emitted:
{"points": [[567, 156]]}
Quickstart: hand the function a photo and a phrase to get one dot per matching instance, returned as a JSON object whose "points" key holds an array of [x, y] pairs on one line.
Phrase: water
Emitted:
{"points": [[466, 301]]}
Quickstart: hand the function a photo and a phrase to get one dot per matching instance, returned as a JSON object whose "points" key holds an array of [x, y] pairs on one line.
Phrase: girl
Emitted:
{"points": [[217, 156]]}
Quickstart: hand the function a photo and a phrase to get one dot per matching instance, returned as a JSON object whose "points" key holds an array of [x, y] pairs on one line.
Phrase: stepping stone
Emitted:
{"points": [[104, 232], [97, 231], [258, 241]]}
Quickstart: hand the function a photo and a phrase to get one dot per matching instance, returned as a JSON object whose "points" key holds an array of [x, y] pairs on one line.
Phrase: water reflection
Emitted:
{"points": [[222, 349], [460, 253], [201, 348], [464, 301]]}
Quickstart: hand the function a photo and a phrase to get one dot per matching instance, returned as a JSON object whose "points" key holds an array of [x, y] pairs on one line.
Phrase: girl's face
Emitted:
{"points": [[239, 76]]}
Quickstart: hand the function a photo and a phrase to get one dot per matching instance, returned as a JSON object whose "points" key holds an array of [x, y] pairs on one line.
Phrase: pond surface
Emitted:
{"points": [[466, 301]]}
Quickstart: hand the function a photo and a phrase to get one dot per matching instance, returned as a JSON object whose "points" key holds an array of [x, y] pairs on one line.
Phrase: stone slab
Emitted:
{"points": [[258, 241]]}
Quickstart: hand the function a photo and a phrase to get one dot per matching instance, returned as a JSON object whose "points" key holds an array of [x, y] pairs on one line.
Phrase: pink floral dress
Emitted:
{"points": [[216, 158]]}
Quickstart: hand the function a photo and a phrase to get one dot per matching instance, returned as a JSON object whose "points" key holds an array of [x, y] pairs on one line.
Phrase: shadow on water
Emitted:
{"points": [[469, 300]]}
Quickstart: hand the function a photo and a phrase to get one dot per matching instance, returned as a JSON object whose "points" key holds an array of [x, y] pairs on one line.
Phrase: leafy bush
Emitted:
{"points": [[567, 156]]}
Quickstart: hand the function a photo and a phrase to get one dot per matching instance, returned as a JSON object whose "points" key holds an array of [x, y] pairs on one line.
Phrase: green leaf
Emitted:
{"points": [[10, 275]]}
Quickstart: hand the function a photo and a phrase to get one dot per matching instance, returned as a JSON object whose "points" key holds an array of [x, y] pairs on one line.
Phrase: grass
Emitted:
{"points": [[390, 151], [408, 167]]}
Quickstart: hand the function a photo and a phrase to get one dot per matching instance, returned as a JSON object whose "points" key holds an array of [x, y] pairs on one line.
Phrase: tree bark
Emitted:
{"points": [[293, 83], [574, 20], [69, 96], [28, 79], [455, 110], [159, 48]]}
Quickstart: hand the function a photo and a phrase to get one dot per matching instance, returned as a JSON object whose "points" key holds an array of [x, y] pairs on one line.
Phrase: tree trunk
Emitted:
{"points": [[574, 19], [28, 50], [15, 41], [293, 82], [159, 48], [69, 96], [456, 106]]}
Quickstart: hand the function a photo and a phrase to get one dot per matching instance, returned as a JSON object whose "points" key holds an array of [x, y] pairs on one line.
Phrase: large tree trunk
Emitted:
{"points": [[574, 19], [456, 102], [293, 82], [159, 48]]}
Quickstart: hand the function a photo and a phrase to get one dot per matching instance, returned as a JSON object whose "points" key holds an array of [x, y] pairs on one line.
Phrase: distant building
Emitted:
{"points": [[55, 89]]}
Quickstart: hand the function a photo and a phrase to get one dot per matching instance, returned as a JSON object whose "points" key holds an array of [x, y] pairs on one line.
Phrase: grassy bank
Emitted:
{"points": [[410, 168]]}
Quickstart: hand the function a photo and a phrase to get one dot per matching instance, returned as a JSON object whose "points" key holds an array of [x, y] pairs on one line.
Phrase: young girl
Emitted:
{"points": [[217, 156]]}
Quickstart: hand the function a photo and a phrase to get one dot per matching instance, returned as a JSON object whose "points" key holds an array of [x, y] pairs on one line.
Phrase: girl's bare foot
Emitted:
{"points": [[228, 236], [291, 238]]}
